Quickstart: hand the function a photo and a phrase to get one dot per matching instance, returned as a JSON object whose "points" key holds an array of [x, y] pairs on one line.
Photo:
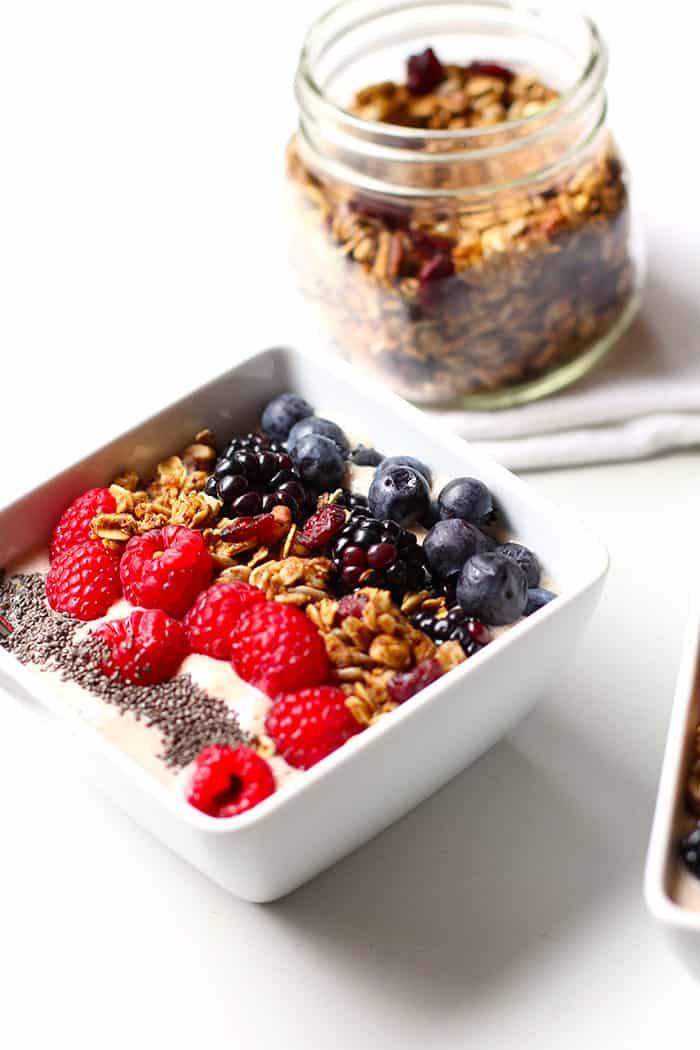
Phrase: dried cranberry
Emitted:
{"points": [[322, 526], [431, 244], [436, 269], [403, 686], [264, 528], [391, 214], [490, 69], [424, 72], [351, 605], [431, 278]]}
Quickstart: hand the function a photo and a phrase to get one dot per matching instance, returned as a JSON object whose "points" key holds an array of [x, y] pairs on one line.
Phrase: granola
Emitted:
{"points": [[479, 292], [367, 651]]}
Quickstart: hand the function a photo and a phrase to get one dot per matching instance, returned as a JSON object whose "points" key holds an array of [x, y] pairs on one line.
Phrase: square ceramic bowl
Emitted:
{"points": [[381, 774], [672, 893]]}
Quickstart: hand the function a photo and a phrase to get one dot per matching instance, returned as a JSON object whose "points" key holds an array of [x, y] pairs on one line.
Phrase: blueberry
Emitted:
{"points": [[526, 560], [450, 543], [362, 456], [536, 598], [431, 516], [492, 588], [280, 414], [401, 494], [466, 498], [319, 461], [316, 425], [406, 461]]}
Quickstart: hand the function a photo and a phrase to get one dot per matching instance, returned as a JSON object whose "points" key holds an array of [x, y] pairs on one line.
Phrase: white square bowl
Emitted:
{"points": [[664, 875], [380, 775]]}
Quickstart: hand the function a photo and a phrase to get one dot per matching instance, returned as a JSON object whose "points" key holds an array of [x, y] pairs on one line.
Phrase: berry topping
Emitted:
{"points": [[310, 724], [378, 553], [351, 500], [83, 581], [145, 648], [362, 456], [315, 425], [166, 569], [276, 648], [399, 493], [455, 626], [396, 216], [490, 69], [689, 849], [319, 461], [74, 524], [450, 544], [322, 526], [492, 588], [350, 605], [211, 620], [525, 559], [424, 72], [265, 529], [405, 685], [406, 461], [466, 498], [229, 780], [255, 475], [282, 413], [537, 597]]}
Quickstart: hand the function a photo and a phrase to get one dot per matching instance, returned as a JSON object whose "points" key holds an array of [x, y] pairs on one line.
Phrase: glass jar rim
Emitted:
{"points": [[591, 76]]}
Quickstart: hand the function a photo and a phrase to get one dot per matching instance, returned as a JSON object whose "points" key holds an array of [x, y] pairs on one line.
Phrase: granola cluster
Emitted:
{"points": [[480, 292], [367, 650]]}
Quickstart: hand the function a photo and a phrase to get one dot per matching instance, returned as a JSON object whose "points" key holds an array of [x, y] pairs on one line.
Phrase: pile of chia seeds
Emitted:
{"points": [[188, 718]]}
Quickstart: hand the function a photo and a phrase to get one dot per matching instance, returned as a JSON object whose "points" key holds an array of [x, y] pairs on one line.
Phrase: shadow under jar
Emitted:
{"points": [[461, 219]]}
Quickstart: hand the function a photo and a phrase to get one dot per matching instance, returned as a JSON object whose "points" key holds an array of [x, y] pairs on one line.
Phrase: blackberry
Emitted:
{"points": [[255, 474], [455, 627], [352, 501], [373, 553]]}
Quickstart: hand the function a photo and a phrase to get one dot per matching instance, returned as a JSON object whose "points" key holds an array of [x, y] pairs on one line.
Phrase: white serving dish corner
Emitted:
{"points": [[381, 774], [680, 923]]}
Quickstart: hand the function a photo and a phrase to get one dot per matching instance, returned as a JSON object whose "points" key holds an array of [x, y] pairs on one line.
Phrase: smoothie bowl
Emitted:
{"points": [[283, 611]]}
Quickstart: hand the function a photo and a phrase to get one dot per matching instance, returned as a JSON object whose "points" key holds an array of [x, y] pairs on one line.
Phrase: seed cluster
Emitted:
{"points": [[188, 718]]}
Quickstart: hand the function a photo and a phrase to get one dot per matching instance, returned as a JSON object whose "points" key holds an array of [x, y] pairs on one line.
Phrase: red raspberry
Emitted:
{"points": [[145, 648], [276, 648], [229, 780], [166, 569], [74, 524], [403, 686], [213, 616], [308, 725], [84, 581], [322, 526]]}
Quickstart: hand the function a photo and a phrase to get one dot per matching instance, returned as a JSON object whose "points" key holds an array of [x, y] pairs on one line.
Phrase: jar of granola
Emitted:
{"points": [[461, 212]]}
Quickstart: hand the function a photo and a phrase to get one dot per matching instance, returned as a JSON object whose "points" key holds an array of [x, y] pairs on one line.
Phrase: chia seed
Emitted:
{"points": [[187, 717]]}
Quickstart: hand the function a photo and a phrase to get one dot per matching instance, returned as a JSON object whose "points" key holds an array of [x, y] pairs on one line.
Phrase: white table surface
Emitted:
{"points": [[140, 254]]}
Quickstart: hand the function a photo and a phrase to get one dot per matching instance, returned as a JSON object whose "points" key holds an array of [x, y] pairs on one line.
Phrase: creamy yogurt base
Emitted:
{"points": [[145, 743]]}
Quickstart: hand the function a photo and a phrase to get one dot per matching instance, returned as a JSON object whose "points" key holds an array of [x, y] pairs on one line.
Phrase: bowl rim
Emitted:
{"points": [[661, 840], [419, 422]]}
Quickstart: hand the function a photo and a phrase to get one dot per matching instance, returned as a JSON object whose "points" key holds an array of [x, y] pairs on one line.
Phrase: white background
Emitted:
{"points": [[140, 252]]}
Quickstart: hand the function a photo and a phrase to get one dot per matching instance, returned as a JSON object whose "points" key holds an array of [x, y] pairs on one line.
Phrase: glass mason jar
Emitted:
{"points": [[483, 265]]}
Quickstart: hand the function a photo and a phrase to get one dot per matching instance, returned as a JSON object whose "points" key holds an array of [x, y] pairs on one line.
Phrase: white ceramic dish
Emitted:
{"points": [[381, 774], [672, 895]]}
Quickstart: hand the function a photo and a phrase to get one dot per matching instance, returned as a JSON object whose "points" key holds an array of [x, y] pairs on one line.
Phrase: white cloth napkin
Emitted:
{"points": [[643, 399]]}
